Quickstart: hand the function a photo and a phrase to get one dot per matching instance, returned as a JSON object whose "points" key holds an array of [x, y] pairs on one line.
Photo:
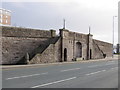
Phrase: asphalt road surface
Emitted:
{"points": [[97, 74]]}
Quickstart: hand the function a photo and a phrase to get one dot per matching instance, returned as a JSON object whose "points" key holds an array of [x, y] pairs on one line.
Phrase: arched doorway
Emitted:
{"points": [[65, 54], [78, 50], [90, 53]]}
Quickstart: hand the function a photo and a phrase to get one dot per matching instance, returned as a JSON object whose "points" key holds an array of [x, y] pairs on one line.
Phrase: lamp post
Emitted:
{"points": [[113, 36]]}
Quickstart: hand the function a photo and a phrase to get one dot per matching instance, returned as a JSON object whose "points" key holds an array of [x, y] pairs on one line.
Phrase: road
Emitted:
{"points": [[97, 74]]}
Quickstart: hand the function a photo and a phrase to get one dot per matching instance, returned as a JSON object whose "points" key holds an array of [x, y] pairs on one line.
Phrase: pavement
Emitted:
{"points": [[46, 64], [85, 74]]}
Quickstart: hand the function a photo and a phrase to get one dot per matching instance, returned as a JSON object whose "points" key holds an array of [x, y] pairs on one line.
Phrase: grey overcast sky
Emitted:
{"points": [[79, 15]]}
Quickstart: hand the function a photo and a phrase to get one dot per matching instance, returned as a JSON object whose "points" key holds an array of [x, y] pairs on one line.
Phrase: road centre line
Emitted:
{"points": [[70, 69], [53, 82], [111, 62], [114, 68], [95, 72], [94, 66], [26, 76]]}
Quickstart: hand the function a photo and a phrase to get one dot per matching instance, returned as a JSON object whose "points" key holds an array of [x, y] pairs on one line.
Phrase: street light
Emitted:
{"points": [[113, 36]]}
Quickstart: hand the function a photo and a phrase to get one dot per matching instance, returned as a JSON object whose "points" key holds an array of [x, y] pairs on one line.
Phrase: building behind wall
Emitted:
{"points": [[31, 46], [5, 17]]}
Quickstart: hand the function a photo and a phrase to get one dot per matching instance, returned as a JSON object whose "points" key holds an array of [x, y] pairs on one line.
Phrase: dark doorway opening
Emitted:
{"points": [[104, 55], [78, 50], [65, 54], [90, 54]]}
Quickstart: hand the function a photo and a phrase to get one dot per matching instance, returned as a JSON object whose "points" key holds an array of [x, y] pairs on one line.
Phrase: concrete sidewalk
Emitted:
{"points": [[46, 64]]}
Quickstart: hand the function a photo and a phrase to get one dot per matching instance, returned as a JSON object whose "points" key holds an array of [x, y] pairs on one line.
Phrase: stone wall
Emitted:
{"points": [[91, 49], [57, 49], [105, 47], [26, 32], [81, 38], [49, 55], [69, 41], [96, 52], [46, 57], [66, 45], [16, 42], [14, 48], [44, 46]]}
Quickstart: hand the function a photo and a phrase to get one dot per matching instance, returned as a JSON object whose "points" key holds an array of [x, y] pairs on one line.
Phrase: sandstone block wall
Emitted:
{"points": [[96, 52], [14, 48], [57, 49], [25, 32], [105, 47], [46, 57], [69, 41], [78, 37], [45, 46], [49, 55], [16, 42], [91, 49]]}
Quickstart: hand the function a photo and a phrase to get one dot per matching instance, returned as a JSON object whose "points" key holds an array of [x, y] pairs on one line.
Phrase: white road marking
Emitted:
{"points": [[96, 72], [26, 76], [70, 69], [94, 66], [110, 63], [115, 68], [103, 70], [53, 82]]}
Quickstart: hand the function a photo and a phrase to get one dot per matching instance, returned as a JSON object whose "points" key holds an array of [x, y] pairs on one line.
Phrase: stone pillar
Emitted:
{"points": [[53, 33], [89, 46], [27, 58], [74, 47], [64, 37]]}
